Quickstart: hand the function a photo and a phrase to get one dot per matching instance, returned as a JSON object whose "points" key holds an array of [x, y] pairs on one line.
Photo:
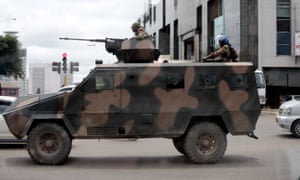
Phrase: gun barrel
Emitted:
{"points": [[79, 39]]}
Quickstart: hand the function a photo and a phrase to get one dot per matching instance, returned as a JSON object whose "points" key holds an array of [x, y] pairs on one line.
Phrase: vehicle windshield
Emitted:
{"points": [[293, 97], [2, 108], [260, 80]]}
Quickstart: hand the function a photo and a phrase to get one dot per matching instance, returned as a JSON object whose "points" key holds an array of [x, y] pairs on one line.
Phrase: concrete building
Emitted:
{"points": [[262, 31], [9, 89], [279, 22], [43, 80]]}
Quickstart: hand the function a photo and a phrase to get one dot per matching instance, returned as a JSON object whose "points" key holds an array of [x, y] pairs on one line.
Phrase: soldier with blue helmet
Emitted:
{"points": [[226, 52]]}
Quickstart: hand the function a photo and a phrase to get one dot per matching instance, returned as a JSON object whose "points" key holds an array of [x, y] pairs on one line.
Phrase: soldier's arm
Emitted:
{"points": [[213, 55]]}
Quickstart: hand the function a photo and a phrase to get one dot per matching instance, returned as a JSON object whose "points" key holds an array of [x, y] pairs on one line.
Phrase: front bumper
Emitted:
{"points": [[286, 122]]}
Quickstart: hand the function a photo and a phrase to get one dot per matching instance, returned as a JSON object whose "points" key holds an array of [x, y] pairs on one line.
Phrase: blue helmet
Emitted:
{"points": [[222, 39]]}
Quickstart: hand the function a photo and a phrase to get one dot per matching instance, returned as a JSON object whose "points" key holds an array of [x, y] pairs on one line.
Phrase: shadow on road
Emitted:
{"points": [[12, 146], [287, 136], [163, 162]]}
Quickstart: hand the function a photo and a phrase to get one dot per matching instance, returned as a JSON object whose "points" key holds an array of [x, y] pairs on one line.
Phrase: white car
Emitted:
{"points": [[5, 135], [67, 88], [288, 116]]}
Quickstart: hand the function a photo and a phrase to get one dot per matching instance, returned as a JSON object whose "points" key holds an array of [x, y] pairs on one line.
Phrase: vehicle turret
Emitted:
{"points": [[132, 50]]}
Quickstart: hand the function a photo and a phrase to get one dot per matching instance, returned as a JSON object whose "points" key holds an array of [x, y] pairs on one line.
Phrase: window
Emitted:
{"points": [[104, 83], [283, 27], [154, 14], [10, 92]]}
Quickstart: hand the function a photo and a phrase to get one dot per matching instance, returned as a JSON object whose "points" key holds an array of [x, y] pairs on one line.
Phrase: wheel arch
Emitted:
{"points": [[58, 121], [213, 119], [294, 124]]}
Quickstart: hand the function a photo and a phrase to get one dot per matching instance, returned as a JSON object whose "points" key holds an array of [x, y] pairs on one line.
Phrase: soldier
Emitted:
{"points": [[139, 31], [227, 53], [135, 26]]}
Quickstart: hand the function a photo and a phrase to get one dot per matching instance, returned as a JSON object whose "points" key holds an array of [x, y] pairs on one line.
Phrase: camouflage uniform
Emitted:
{"points": [[227, 53], [135, 27], [224, 52], [139, 31]]}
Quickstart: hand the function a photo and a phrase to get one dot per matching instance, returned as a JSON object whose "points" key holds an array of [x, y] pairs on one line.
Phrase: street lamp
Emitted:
{"points": [[9, 19]]}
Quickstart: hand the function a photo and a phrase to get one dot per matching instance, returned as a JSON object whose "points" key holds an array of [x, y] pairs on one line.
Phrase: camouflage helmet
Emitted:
{"points": [[135, 26]]}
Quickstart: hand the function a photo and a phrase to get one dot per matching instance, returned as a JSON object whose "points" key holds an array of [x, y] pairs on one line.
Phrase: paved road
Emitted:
{"points": [[275, 155]]}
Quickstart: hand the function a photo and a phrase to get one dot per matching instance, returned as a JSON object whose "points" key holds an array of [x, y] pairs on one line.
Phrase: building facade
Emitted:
{"points": [[262, 31], [9, 89], [279, 24], [43, 80]]}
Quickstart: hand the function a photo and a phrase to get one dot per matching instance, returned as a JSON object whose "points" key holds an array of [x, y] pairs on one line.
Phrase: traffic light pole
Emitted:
{"points": [[64, 59], [57, 66], [65, 79]]}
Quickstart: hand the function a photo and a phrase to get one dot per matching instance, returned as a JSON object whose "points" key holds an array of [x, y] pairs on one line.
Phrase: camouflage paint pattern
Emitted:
{"points": [[147, 100]]}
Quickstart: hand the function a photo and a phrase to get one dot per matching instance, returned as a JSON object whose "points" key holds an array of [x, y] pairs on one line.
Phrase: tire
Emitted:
{"points": [[49, 143], [178, 144], [205, 143], [295, 129]]}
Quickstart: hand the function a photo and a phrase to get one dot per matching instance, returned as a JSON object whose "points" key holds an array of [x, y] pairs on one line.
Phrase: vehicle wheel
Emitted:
{"points": [[178, 144], [49, 143], [296, 129], [205, 143]]}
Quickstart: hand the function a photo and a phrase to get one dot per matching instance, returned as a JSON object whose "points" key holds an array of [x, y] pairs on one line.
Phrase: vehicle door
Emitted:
{"points": [[102, 103]]}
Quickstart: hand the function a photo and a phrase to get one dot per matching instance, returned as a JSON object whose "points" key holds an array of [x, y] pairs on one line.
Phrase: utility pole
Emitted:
{"points": [[64, 60]]}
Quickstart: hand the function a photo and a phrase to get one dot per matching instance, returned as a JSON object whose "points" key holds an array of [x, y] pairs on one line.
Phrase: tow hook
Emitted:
{"points": [[252, 135]]}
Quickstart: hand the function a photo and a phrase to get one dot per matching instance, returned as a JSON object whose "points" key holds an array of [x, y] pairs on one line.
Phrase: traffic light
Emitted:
{"points": [[56, 66], [64, 64], [74, 66]]}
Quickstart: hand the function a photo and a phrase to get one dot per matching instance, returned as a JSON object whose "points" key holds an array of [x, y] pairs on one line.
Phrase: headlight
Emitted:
{"points": [[285, 111]]}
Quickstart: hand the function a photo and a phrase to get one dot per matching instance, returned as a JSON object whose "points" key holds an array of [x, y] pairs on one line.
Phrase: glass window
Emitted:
{"points": [[283, 43], [283, 27], [104, 82], [260, 80], [10, 92]]}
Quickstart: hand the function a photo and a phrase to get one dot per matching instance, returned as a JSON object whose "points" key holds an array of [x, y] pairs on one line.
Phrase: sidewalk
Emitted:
{"points": [[269, 110]]}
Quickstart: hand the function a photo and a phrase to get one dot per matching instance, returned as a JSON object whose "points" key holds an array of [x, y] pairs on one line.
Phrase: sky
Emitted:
{"points": [[40, 23]]}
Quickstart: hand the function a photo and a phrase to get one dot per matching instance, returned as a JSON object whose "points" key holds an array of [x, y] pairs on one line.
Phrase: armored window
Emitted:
{"points": [[104, 82], [175, 81], [238, 81], [207, 81]]}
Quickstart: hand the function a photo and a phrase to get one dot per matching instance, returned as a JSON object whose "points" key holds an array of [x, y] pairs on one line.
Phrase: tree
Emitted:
{"points": [[10, 63]]}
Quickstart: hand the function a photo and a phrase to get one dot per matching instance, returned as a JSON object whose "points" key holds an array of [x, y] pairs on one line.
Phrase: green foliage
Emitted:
{"points": [[10, 63]]}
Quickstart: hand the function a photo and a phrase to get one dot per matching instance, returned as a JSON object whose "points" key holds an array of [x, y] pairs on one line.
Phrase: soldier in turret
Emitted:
{"points": [[139, 31], [135, 26]]}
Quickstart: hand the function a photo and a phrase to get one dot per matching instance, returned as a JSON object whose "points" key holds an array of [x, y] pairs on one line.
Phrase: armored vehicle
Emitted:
{"points": [[194, 104]]}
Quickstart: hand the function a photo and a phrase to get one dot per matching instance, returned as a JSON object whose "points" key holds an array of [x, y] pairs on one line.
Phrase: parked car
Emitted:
{"points": [[5, 135], [67, 88], [288, 116]]}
